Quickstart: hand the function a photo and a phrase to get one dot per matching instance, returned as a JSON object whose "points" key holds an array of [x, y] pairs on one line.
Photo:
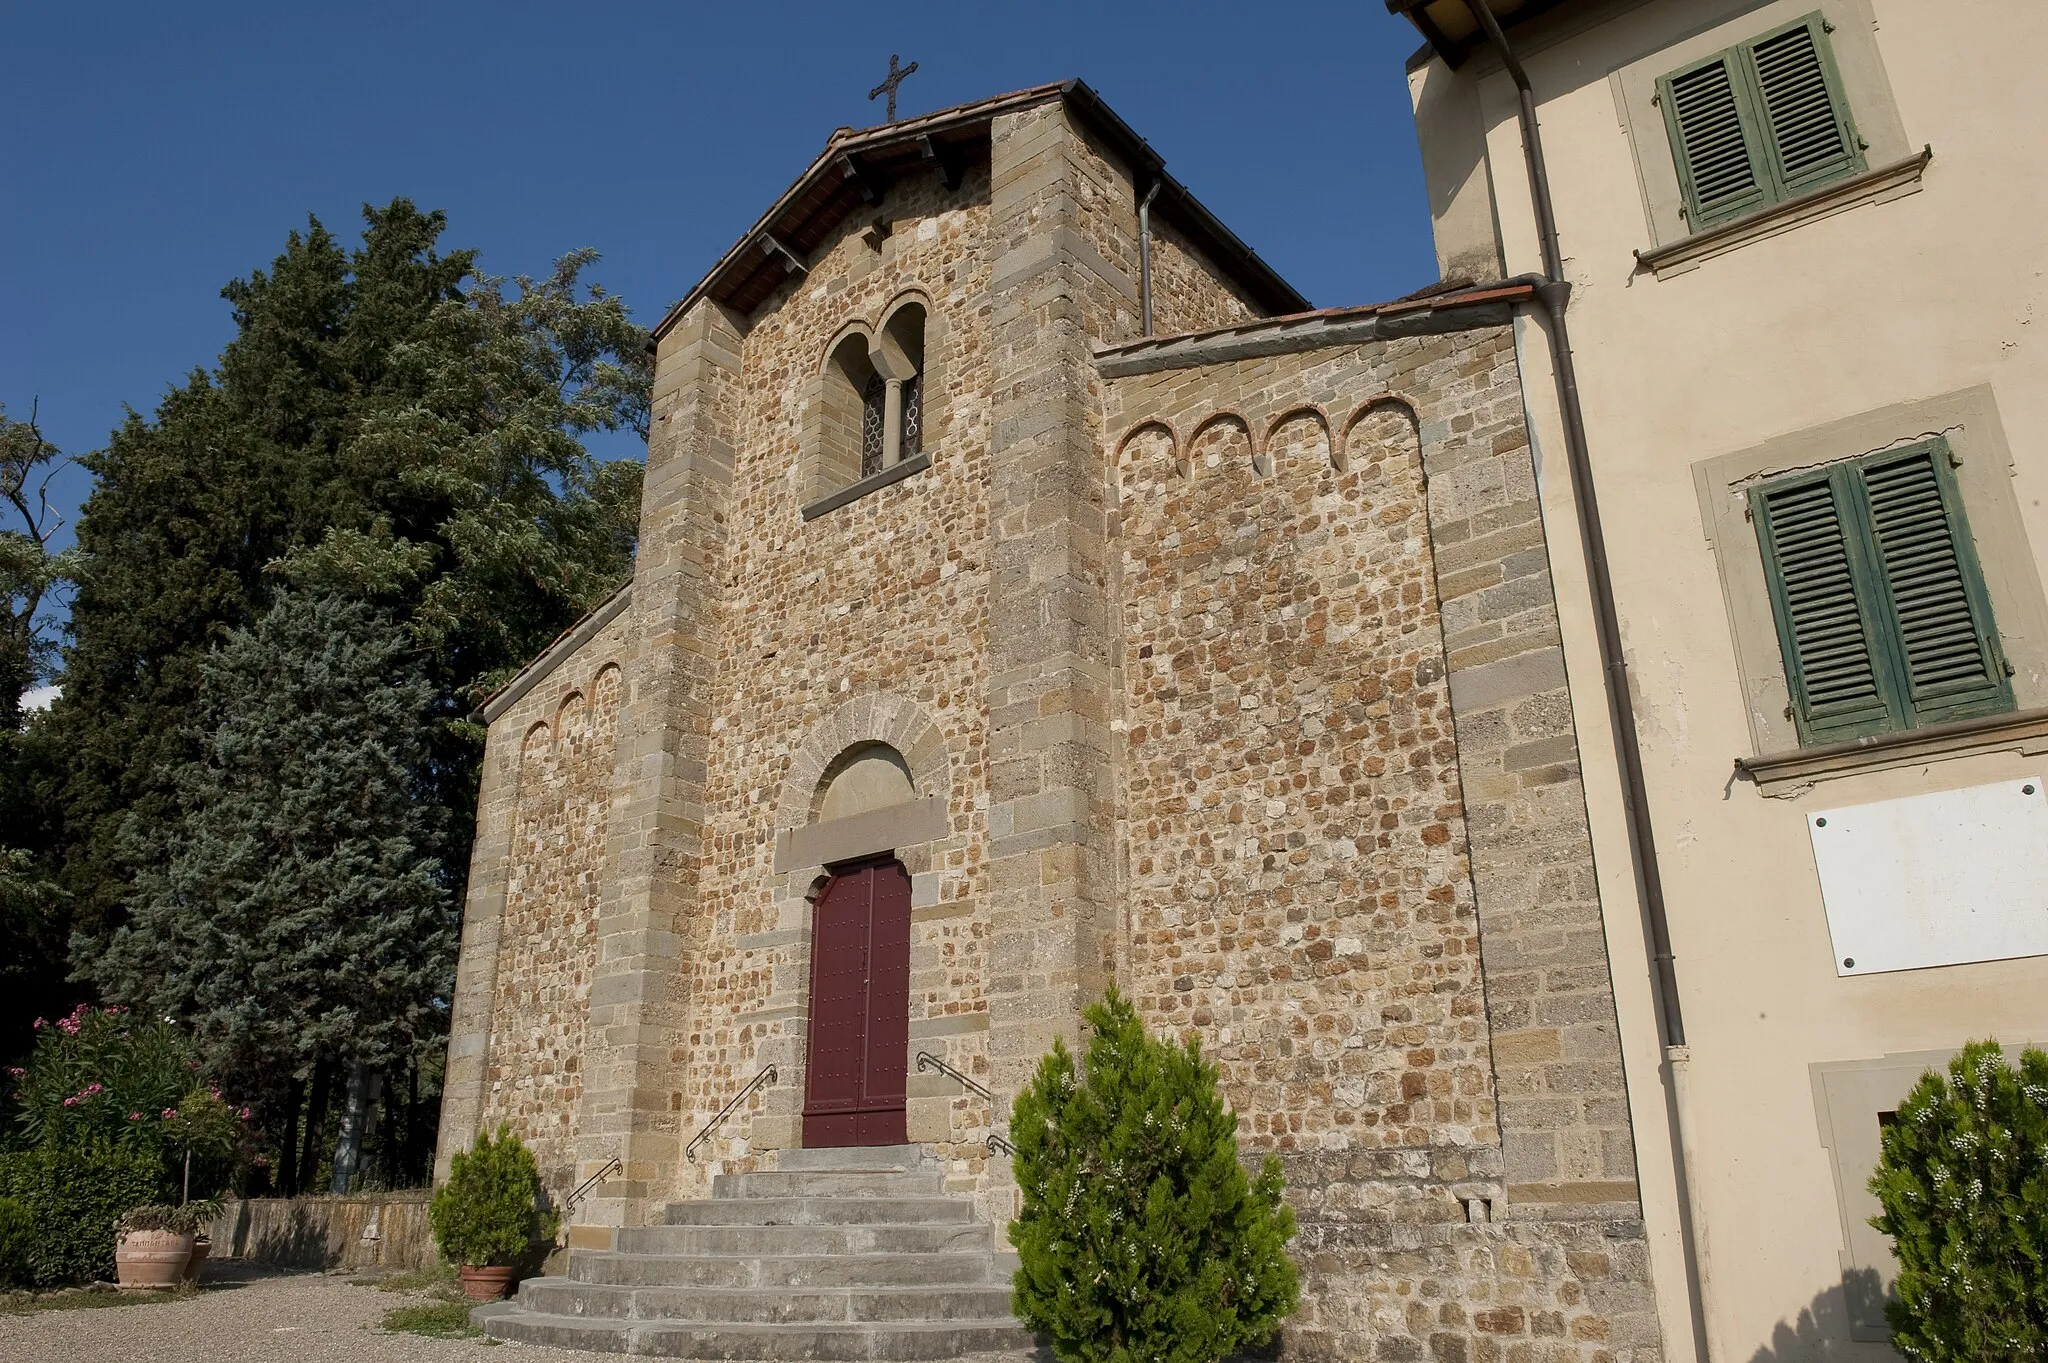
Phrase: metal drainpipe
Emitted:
{"points": [[1553, 295], [1145, 251]]}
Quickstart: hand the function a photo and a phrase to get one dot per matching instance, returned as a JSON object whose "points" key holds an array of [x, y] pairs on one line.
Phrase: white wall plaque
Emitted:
{"points": [[1940, 879]]}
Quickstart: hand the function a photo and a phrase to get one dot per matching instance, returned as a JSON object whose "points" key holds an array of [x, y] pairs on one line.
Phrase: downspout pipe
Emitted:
{"points": [[1145, 251], [1553, 296]]}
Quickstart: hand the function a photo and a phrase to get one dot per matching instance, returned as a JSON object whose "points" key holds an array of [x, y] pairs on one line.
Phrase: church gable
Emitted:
{"points": [[984, 652]]}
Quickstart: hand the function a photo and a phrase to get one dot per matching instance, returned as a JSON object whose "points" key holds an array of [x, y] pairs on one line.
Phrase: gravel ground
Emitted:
{"points": [[249, 1315]]}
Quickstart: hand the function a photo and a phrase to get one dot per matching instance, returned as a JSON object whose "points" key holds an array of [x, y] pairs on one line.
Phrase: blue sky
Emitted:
{"points": [[150, 153]]}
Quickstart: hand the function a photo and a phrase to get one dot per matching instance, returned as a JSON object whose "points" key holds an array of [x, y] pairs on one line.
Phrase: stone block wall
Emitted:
{"points": [[1346, 871], [865, 624], [548, 938], [529, 944]]}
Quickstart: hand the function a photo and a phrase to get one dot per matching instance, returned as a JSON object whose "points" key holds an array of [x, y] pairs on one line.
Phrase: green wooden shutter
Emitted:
{"points": [[1806, 123], [1716, 139], [1947, 654], [1835, 666]]}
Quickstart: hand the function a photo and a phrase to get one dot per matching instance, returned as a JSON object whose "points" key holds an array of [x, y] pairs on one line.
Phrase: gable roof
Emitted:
{"points": [[855, 164]]}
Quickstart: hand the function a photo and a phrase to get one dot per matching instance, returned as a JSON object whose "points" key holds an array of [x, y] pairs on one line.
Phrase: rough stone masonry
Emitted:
{"points": [[1220, 664]]}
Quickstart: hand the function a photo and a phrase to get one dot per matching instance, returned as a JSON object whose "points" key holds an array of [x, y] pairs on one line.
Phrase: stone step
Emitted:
{"points": [[830, 1183], [815, 1270], [762, 1306], [854, 1157], [782, 1242], [819, 1211], [755, 1343]]}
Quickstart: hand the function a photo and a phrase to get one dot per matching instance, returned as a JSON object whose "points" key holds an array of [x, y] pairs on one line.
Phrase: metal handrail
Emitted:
{"points": [[927, 1061], [611, 1167], [766, 1075]]}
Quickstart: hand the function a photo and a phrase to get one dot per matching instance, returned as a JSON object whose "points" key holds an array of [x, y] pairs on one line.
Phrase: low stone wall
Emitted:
{"points": [[365, 1230]]}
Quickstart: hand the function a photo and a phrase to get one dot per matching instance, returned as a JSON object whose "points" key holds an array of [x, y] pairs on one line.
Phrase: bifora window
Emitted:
{"points": [[1880, 604], [1759, 123]]}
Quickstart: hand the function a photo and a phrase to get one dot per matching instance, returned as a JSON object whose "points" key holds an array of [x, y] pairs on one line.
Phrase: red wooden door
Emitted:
{"points": [[860, 1008]]}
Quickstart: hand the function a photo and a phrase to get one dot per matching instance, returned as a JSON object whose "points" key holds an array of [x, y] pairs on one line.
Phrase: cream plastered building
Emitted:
{"points": [[1803, 241]]}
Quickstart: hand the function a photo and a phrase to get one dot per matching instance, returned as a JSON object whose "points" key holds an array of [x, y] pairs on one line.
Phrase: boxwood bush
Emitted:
{"points": [[489, 1212], [73, 1194]]}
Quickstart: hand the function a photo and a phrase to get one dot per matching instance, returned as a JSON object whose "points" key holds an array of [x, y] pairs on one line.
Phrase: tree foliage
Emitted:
{"points": [[386, 483], [293, 907], [1963, 1180], [1142, 1240], [386, 424], [34, 910]]}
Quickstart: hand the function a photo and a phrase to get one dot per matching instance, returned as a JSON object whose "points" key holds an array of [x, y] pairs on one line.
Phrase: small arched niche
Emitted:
{"points": [[866, 803], [867, 777]]}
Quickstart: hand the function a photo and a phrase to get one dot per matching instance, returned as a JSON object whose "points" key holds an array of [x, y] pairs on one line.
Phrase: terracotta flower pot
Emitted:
{"points": [[200, 1249], [151, 1260], [489, 1283]]}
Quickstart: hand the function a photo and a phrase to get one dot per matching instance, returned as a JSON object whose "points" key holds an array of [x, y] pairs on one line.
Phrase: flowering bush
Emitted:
{"points": [[100, 1073]]}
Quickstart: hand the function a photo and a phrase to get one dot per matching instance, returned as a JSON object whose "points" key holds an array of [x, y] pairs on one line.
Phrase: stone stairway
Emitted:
{"points": [[840, 1254]]}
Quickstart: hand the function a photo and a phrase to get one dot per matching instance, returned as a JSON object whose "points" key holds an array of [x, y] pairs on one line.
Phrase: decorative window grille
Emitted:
{"points": [[913, 415], [874, 400]]}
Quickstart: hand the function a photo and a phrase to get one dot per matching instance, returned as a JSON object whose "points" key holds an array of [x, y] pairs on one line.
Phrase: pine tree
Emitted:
{"points": [[292, 909], [1963, 1180], [387, 424], [1142, 1239]]}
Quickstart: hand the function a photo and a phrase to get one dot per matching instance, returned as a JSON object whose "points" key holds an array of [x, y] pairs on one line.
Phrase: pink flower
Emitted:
{"points": [[170, 1112], [41, 1023], [71, 1102], [16, 1070], [135, 1116], [95, 1088], [245, 1114]]}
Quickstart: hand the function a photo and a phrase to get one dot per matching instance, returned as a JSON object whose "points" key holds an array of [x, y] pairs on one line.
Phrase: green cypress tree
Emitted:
{"points": [[293, 908], [387, 424], [1142, 1240], [1963, 1180]]}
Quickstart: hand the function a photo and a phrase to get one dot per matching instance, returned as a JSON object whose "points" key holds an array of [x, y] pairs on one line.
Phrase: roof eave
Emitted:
{"points": [[1268, 289]]}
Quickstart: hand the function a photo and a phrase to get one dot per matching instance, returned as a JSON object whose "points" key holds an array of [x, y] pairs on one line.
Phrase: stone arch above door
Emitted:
{"points": [[876, 732]]}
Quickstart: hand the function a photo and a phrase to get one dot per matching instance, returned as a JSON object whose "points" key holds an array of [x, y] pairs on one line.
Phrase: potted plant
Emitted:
{"points": [[488, 1217], [198, 1218], [150, 1249]]}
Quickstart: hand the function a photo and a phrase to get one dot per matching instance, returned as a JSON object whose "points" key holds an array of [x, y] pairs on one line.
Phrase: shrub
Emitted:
{"points": [[1963, 1181], [488, 1212], [73, 1194], [17, 1239], [1141, 1238], [99, 1074], [189, 1218]]}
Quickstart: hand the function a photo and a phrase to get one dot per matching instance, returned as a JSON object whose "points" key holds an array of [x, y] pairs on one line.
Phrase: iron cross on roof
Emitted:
{"points": [[888, 86]]}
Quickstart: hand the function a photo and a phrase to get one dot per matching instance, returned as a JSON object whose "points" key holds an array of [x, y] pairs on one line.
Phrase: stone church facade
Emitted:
{"points": [[1218, 661]]}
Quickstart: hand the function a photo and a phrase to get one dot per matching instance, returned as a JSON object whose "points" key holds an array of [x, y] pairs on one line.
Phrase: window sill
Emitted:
{"points": [[1872, 186], [1785, 774], [874, 482]]}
